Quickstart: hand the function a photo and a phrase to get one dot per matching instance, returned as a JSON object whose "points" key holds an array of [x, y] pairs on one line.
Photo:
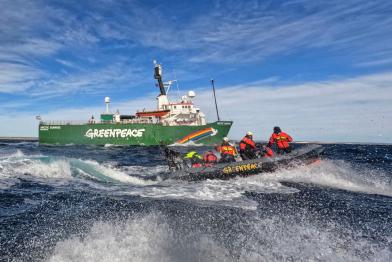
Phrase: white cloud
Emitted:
{"points": [[113, 76], [33, 32], [376, 62], [239, 32], [17, 77], [357, 109], [349, 110]]}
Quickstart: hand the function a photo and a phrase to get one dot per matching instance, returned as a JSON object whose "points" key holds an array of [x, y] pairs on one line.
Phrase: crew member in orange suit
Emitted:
{"points": [[248, 147], [227, 151], [210, 159], [281, 139]]}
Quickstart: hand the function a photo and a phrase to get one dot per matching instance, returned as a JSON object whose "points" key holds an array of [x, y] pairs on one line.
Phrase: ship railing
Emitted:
{"points": [[81, 122], [138, 121], [65, 122]]}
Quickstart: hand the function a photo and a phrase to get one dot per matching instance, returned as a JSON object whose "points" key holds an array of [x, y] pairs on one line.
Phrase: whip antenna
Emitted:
{"points": [[216, 104]]}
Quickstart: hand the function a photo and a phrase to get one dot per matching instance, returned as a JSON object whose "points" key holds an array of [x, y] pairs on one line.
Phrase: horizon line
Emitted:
{"points": [[32, 138]]}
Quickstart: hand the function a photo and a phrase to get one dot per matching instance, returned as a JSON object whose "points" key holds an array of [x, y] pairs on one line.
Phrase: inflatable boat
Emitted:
{"points": [[301, 156]]}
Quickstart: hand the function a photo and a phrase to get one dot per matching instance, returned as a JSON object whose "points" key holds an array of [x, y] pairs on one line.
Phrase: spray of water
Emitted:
{"points": [[278, 238], [336, 174]]}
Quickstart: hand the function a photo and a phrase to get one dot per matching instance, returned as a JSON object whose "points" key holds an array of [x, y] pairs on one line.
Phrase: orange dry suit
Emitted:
{"points": [[227, 152], [282, 141], [247, 148]]}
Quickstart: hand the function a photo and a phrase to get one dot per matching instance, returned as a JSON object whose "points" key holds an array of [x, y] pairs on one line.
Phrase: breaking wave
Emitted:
{"points": [[62, 170]]}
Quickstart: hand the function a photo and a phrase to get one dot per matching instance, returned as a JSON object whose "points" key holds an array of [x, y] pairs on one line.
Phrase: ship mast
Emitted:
{"points": [[163, 100], [216, 104], [182, 112], [158, 76]]}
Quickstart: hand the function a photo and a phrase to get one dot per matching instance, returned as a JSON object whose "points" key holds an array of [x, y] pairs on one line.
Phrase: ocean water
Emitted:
{"points": [[109, 204]]}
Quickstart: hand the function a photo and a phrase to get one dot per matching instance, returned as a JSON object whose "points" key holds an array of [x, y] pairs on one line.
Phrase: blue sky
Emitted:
{"points": [[322, 70]]}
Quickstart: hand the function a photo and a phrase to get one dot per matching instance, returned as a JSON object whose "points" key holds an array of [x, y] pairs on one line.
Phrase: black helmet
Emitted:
{"points": [[277, 130]]}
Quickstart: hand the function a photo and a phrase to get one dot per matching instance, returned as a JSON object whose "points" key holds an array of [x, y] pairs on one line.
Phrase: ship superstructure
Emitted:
{"points": [[171, 122], [180, 113]]}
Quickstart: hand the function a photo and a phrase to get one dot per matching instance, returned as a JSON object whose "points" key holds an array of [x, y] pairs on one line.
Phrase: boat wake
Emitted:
{"points": [[144, 181], [338, 175]]}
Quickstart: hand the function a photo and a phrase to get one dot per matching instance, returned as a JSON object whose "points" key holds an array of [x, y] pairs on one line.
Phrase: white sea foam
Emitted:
{"points": [[113, 145], [224, 192], [276, 238], [147, 238], [11, 154], [336, 174], [187, 144], [286, 238], [35, 168]]}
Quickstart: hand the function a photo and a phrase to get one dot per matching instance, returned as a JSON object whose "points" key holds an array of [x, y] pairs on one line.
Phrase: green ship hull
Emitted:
{"points": [[132, 134]]}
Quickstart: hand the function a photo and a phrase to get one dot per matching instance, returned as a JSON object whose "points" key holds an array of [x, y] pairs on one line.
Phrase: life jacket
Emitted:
{"points": [[227, 150], [210, 158], [192, 154], [282, 140], [247, 143], [195, 158]]}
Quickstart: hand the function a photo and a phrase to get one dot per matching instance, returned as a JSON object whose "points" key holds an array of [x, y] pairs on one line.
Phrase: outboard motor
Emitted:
{"points": [[174, 159]]}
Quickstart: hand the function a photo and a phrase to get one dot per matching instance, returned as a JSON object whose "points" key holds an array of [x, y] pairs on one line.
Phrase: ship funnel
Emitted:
{"points": [[107, 102], [158, 77]]}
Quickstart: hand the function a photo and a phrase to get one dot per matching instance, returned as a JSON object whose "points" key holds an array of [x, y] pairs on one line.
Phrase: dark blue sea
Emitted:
{"points": [[108, 204]]}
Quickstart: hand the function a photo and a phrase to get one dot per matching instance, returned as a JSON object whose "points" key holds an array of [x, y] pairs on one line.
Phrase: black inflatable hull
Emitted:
{"points": [[302, 156]]}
